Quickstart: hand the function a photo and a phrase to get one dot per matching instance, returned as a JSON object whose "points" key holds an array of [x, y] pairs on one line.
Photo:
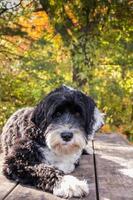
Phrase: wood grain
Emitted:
{"points": [[6, 186], [84, 171], [29, 193], [114, 163]]}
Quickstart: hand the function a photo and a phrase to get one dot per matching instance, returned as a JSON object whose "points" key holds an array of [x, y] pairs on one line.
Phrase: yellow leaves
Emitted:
{"points": [[99, 10], [35, 24], [24, 46], [57, 41], [106, 129], [52, 2], [71, 15], [104, 60]]}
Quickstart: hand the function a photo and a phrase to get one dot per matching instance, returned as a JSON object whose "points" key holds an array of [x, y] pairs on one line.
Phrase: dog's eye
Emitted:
{"points": [[77, 114], [57, 114]]}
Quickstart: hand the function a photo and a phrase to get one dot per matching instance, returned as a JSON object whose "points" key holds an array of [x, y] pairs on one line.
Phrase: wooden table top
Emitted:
{"points": [[109, 171]]}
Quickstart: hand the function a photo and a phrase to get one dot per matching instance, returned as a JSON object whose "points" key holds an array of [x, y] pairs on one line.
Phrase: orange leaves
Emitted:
{"points": [[35, 24], [71, 15], [106, 129]]}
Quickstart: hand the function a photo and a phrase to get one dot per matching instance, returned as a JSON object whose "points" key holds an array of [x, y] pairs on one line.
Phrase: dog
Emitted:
{"points": [[42, 145]]}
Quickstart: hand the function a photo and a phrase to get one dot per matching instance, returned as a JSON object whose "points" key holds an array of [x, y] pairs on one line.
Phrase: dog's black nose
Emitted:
{"points": [[67, 136]]}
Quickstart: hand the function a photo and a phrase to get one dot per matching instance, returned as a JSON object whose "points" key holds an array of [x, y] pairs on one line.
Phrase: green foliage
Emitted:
{"points": [[85, 44]]}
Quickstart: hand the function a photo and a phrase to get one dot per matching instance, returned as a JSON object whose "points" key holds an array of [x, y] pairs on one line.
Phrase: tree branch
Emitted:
{"points": [[6, 9]]}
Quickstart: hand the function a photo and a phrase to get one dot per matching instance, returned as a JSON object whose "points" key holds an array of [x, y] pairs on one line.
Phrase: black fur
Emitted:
{"points": [[23, 165], [42, 115]]}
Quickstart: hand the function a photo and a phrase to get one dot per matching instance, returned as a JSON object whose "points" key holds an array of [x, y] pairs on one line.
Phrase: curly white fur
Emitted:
{"points": [[70, 186]]}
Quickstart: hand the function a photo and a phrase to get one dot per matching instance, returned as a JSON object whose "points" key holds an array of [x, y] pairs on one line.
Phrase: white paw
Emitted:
{"points": [[70, 186]]}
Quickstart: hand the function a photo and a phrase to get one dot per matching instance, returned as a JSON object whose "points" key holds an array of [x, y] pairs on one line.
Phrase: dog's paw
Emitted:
{"points": [[70, 186]]}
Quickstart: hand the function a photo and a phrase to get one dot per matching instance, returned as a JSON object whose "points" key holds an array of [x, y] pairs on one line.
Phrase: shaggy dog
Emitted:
{"points": [[44, 143]]}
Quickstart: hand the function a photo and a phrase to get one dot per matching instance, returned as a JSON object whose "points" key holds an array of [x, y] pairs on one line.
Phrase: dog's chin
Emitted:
{"points": [[66, 148]]}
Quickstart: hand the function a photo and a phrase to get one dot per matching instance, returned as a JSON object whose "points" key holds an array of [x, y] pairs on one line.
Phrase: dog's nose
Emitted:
{"points": [[67, 136]]}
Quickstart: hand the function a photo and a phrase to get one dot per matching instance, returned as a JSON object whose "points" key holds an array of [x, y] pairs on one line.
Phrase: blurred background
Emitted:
{"points": [[87, 44]]}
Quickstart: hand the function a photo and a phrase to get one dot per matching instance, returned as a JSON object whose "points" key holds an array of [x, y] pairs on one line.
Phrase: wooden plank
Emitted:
{"points": [[29, 193], [6, 186], [114, 162], [84, 171]]}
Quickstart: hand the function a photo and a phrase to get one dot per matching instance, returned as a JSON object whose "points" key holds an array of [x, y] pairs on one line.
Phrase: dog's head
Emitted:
{"points": [[67, 118]]}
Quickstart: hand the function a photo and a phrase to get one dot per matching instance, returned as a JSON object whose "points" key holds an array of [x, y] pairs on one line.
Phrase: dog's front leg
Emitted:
{"points": [[23, 165], [53, 180]]}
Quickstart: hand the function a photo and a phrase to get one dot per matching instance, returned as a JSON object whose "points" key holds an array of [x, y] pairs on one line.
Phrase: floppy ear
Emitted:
{"points": [[97, 122], [44, 110], [39, 115], [98, 119], [94, 118]]}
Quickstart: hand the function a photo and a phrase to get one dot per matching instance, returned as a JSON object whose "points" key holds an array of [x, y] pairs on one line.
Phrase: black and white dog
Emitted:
{"points": [[43, 144]]}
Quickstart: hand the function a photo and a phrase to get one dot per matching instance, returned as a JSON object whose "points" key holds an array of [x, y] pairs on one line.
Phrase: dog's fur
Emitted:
{"points": [[44, 143]]}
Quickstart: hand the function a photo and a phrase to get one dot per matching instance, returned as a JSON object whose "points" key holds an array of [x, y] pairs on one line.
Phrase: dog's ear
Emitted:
{"points": [[94, 119], [43, 112], [98, 121], [39, 114]]}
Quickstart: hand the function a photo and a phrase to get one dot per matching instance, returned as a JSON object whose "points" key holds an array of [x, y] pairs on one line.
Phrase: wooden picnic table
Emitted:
{"points": [[109, 171]]}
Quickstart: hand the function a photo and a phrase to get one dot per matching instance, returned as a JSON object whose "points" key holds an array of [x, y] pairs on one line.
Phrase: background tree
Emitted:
{"points": [[86, 44]]}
